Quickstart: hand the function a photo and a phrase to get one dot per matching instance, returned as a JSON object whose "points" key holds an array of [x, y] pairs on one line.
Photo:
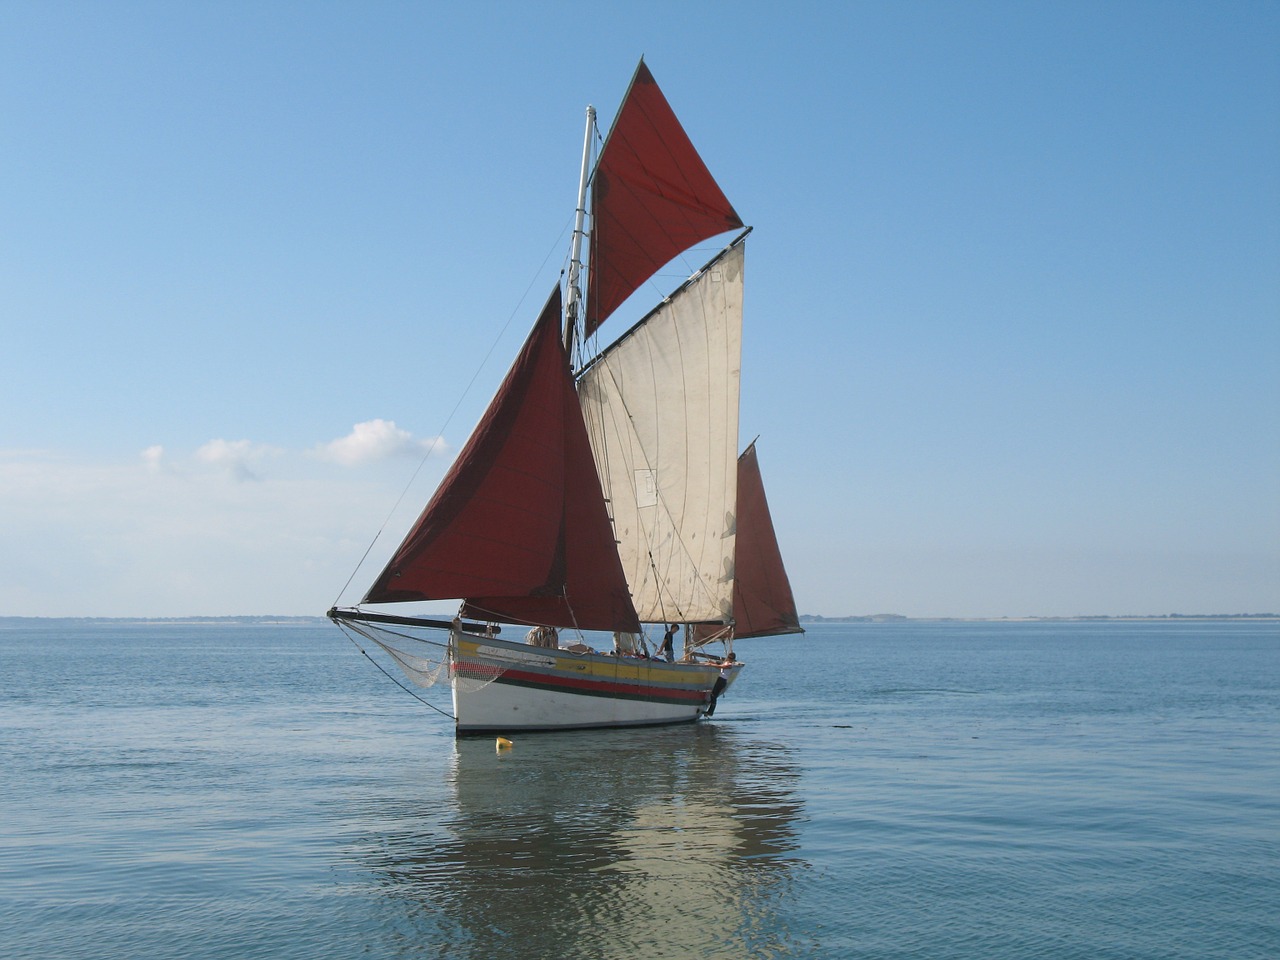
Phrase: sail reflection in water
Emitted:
{"points": [[604, 846]]}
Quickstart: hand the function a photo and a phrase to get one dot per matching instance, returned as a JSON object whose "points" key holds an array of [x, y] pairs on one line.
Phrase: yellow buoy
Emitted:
{"points": [[503, 744]]}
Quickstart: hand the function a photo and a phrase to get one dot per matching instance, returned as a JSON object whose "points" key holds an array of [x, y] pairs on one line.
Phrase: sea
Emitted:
{"points": [[227, 789]]}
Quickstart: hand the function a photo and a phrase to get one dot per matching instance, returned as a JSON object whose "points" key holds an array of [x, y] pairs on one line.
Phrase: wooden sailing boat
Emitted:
{"points": [[605, 497]]}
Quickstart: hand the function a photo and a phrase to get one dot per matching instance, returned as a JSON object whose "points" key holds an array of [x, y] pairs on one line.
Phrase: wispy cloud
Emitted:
{"points": [[153, 457], [375, 440], [235, 456], [166, 532]]}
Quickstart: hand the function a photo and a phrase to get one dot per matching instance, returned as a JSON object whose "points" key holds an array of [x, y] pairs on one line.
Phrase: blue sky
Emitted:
{"points": [[1013, 307]]}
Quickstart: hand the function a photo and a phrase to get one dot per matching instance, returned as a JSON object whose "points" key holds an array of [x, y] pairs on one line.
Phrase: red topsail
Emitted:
{"points": [[652, 199]]}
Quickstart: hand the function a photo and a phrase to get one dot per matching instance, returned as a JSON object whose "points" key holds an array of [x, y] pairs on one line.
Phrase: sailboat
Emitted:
{"points": [[602, 495]]}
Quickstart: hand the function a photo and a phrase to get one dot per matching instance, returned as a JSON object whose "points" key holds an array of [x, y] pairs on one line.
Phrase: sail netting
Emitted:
{"points": [[661, 407], [518, 526], [425, 662], [424, 671], [426, 665], [652, 198]]}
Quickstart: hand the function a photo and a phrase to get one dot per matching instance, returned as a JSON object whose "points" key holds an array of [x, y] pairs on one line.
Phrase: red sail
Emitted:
{"points": [[519, 523], [595, 594], [762, 600], [652, 199]]}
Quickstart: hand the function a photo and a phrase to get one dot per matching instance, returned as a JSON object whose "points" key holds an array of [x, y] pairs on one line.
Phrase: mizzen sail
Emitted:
{"points": [[763, 604]]}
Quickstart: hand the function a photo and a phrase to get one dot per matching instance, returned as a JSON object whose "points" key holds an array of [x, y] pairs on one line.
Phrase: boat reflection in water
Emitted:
{"points": [[605, 845]]}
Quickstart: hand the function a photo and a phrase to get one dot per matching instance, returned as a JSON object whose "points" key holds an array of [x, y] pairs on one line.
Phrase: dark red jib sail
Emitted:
{"points": [[762, 601], [519, 525], [652, 199]]}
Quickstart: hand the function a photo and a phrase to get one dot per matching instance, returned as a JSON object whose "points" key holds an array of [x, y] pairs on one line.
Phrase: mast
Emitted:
{"points": [[574, 292]]}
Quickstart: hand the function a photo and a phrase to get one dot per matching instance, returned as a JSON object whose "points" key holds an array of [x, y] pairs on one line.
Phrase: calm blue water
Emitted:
{"points": [[931, 790]]}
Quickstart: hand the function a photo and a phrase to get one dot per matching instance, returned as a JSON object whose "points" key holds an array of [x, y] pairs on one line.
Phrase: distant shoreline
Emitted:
{"points": [[1160, 618]]}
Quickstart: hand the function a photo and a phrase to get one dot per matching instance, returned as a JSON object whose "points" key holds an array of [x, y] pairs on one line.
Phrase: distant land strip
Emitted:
{"points": [[895, 617]]}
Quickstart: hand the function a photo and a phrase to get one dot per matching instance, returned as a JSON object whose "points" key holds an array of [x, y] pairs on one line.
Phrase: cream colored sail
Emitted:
{"points": [[661, 407]]}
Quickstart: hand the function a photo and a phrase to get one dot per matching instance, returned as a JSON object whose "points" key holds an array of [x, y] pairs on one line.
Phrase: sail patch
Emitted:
{"points": [[646, 488]]}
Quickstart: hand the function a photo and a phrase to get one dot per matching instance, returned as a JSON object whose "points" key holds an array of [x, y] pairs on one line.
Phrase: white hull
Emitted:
{"points": [[499, 707], [500, 686]]}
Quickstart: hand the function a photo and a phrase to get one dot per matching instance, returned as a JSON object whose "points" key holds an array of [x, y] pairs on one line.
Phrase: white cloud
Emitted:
{"points": [[153, 457], [376, 440]]}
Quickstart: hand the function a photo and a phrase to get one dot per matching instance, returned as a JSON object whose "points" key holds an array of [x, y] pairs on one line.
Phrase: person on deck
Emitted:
{"points": [[668, 641]]}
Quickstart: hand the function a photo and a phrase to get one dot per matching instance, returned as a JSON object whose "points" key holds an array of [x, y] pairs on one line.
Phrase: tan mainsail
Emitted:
{"points": [[661, 407]]}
